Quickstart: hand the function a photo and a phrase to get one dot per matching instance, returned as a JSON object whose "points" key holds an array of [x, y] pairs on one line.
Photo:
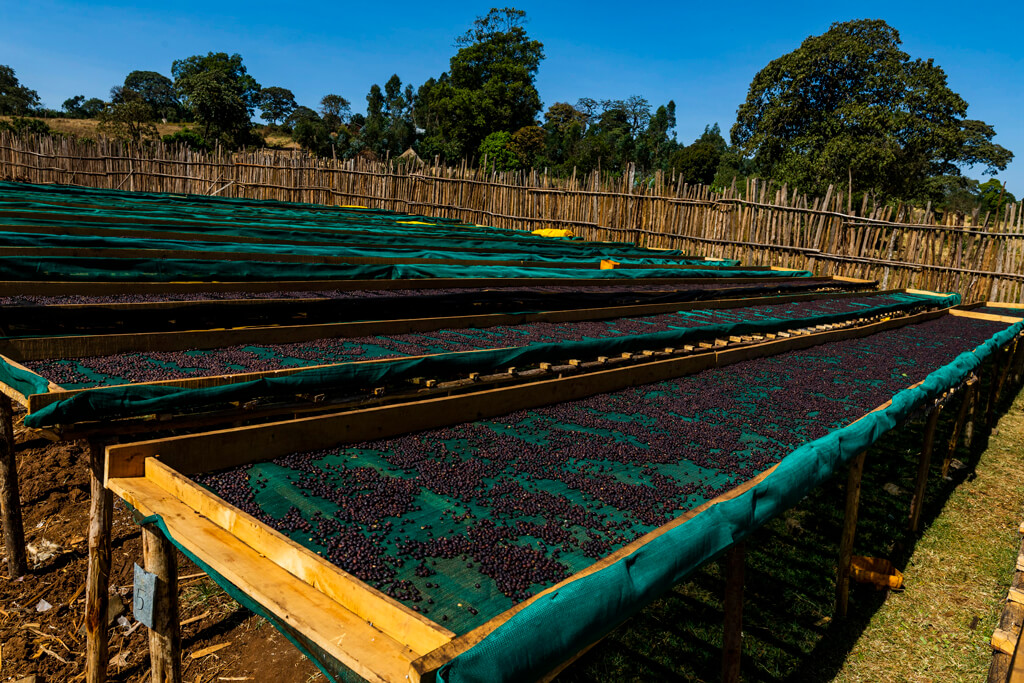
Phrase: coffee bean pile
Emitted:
{"points": [[157, 366], [462, 522], [615, 290]]}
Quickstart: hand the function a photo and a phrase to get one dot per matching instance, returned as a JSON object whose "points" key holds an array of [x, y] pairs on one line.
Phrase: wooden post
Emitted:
{"points": [[10, 499], [164, 636], [98, 580], [732, 638], [917, 504], [961, 419], [849, 531]]}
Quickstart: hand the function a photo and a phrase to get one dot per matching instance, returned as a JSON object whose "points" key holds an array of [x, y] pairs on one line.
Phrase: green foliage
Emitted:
{"points": [[699, 162], [91, 108], [154, 89], [993, 196], [73, 106], [489, 86], [528, 145], [851, 102], [389, 128], [15, 99], [497, 154], [24, 126], [276, 103], [131, 119], [220, 95], [335, 110], [188, 138]]}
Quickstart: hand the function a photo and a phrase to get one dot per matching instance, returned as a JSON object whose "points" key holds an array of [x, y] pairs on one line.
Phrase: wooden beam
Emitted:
{"points": [[165, 635], [917, 503], [10, 499], [961, 419], [98, 578], [983, 316], [732, 637], [853, 482]]}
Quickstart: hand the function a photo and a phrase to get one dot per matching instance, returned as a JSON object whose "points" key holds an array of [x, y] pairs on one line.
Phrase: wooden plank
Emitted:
{"points": [[983, 316], [341, 634], [231, 447], [390, 616]]}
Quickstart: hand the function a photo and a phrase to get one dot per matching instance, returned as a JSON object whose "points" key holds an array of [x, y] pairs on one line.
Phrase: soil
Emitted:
{"points": [[50, 643]]}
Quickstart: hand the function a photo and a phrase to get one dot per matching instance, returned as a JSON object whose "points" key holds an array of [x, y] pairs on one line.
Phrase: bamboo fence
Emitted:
{"points": [[764, 225]]}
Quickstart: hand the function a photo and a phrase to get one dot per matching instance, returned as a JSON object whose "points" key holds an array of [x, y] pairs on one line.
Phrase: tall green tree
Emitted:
{"points": [[699, 162], [15, 98], [154, 89], [335, 110], [131, 119], [851, 104], [219, 93], [276, 103], [489, 86]]}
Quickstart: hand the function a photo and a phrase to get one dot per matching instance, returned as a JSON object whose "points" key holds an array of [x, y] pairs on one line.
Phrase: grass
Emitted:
{"points": [[956, 572], [89, 128]]}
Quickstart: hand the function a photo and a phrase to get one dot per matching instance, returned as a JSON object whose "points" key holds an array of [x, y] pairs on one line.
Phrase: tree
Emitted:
{"points": [[220, 94], [496, 150], [335, 110], [700, 161], [850, 103], [73, 106], [15, 99], [994, 197], [91, 108], [154, 89], [489, 86], [276, 103], [528, 145], [129, 120]]}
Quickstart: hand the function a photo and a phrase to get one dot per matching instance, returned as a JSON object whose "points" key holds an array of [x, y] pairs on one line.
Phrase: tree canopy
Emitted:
{"points": [[850, 104], [15, 98], [220, 95], [276, 103], [152, 88], [489, 86]]}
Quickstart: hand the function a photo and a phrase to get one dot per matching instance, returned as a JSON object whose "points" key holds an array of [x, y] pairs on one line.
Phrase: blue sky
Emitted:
{"points": [[703, 56]]}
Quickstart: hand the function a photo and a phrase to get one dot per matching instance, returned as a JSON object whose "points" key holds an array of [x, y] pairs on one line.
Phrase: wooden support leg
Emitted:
{"points": [[732, 638], [165, 636], [917, 504], [1008, 359], [10, 499], [958, 428], [98, 580], [849, 531]]}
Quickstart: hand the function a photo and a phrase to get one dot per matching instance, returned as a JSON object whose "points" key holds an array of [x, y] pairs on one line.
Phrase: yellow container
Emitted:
{"points": [[877, 571]]}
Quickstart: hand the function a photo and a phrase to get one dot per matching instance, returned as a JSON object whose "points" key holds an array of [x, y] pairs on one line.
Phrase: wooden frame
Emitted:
{"points": [[151, 476]]}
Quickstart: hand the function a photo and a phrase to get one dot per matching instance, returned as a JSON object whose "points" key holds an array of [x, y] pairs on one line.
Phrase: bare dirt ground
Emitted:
{"points": [[41, 614]]}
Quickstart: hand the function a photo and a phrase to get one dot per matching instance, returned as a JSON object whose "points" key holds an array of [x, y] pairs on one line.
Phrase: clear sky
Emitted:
{"points": [[703, 56]]}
